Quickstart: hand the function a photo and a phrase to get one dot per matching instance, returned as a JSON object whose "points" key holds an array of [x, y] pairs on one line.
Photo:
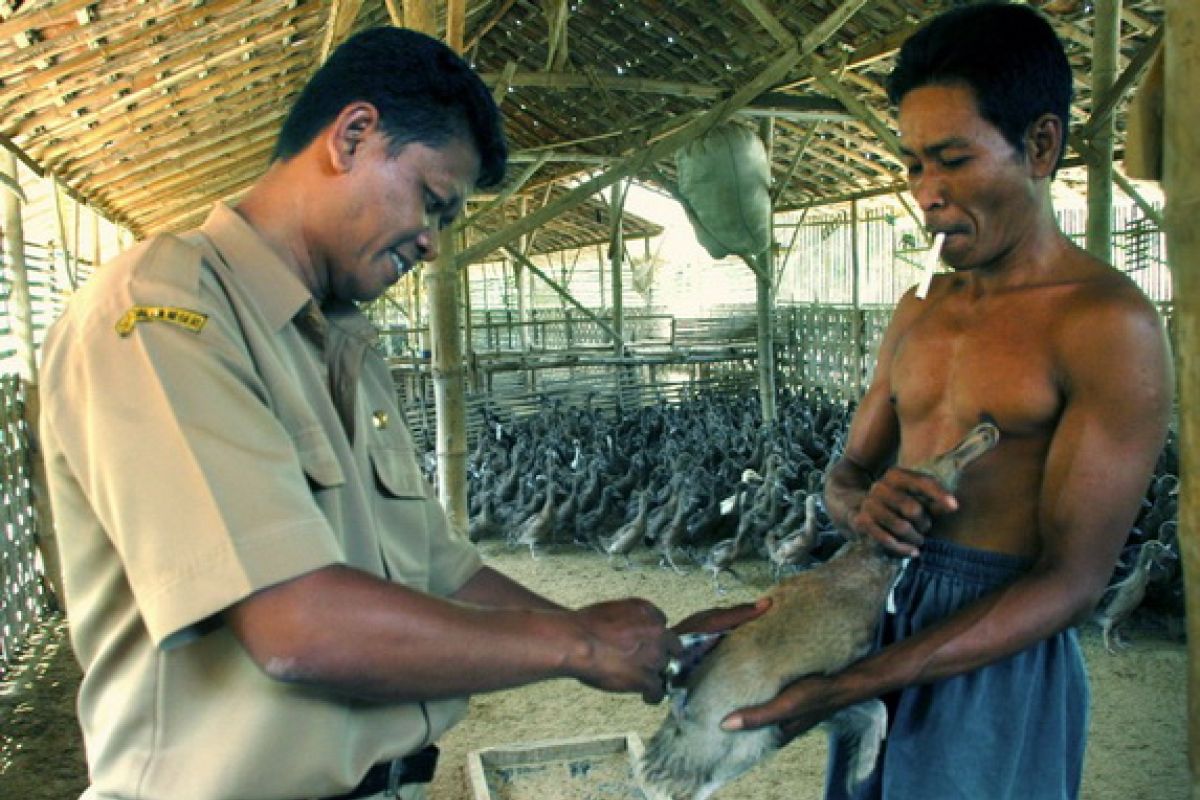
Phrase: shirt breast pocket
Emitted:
{"points": [[396, 473]]}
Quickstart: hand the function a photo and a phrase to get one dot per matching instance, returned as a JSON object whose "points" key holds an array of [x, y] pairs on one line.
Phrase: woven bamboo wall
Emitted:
{"points": [[23, 599]]}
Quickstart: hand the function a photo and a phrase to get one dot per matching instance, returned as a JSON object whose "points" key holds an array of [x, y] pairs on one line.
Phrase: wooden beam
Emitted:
{"points": [[1181, 185], [1105, 50], [490, 23], [769, 21], [820, 34], [342, 14], [670, 142], [557, 13], [500, 88], [421, 15], [791, 170], [614, 83], [8, 145], [857, 107], [506, 194], [562, 292], [456, 23], [13, 239], [10, 185], [395, 12], [1092, 156], [1102, 107]]}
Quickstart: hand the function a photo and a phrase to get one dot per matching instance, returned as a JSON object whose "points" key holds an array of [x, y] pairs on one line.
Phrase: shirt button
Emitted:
{"points": [[379, 419]]}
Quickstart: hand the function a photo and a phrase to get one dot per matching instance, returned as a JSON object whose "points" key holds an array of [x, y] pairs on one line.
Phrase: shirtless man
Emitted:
{"points": [[980, 665]]}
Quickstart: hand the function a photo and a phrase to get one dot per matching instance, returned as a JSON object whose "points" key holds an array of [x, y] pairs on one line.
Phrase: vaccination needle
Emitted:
{"points": [[931, 262]]}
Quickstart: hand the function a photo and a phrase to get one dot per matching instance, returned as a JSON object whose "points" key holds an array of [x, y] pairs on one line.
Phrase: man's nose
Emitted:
{"points": [[929, 192]]}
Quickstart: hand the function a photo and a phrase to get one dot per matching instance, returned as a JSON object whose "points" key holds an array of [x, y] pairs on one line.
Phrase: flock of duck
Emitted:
{"points": [[697, 484], [701, 483]]}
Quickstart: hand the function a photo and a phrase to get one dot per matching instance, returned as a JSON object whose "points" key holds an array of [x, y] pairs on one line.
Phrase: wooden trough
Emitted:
{"points": [[586, 768]]}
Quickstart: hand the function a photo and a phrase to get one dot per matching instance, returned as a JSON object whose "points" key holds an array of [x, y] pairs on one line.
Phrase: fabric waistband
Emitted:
{"points": [[970, 563]]}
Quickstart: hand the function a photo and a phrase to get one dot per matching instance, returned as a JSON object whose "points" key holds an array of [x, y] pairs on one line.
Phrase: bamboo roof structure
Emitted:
{"points": [[151, 110]]}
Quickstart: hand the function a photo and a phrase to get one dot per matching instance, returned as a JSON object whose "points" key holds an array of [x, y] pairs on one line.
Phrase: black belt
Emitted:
{"points": [[390, 775]]}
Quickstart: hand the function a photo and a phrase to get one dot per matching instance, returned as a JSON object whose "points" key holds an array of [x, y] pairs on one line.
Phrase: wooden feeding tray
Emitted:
{"points": [[590, 768]]}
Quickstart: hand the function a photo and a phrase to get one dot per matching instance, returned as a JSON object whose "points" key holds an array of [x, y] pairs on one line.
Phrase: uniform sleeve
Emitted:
{"points": [[169, 434]]}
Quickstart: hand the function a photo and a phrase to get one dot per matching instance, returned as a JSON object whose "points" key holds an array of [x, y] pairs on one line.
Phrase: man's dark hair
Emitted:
{"points": [[423, 90], [1007, 54]]}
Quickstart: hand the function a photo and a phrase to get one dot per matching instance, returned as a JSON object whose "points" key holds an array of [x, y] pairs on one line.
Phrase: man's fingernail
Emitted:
{"points": [[762, 602], [732, 724]]}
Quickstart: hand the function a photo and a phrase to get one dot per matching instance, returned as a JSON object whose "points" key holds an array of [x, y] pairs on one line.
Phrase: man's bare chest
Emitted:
{"points": [[957, 367]]}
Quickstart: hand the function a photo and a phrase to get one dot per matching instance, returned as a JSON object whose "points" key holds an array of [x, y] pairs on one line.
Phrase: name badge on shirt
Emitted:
{"points": [[183, 317]]}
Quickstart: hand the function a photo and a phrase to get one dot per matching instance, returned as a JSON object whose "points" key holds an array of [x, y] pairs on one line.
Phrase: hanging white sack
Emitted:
{"points": [[724, 184]]}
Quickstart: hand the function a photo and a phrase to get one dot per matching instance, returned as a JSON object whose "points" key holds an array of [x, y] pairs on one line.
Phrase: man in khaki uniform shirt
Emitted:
{"points": [[266, 601]]}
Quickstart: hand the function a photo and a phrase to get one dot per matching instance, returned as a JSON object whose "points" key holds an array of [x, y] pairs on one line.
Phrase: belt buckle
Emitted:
{"points": [[395, 778]]}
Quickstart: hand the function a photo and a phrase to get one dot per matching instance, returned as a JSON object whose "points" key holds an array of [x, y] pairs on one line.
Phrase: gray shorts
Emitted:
{"points": [[1013, 729]]}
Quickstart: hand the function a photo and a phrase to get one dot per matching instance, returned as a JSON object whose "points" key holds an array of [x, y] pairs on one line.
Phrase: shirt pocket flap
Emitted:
{"points": [[397, 473], [317, 458]]}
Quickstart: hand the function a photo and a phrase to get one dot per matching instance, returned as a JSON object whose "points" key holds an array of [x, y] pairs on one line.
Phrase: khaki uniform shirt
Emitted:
{"points": [[209, 432]]}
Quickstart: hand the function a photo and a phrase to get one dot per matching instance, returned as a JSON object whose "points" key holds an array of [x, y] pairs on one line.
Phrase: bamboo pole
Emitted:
{"points": [[616, 254], [21, 313], [420, 15], [456, 23], [1181, 183], [446, 370], [519, 281], [765, 301], [856, 321], [20, 304], [68, 279], [468, 321], [342, 14], [1105, 45], [1104, 106]]}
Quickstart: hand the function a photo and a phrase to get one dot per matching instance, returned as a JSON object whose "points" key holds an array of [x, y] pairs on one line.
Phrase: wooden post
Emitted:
{"points": [[21, 311], [764, 282], [522, 304], [603, 281], [20, 304], [469, 326], [446, 370], [420, 15], [1105, 52], [96, 252], [616, 254], [1181, 184], [856, 321]]}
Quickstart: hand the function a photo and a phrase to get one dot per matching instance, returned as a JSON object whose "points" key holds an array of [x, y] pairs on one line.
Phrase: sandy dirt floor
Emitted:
{"points": [[1137, 749]]}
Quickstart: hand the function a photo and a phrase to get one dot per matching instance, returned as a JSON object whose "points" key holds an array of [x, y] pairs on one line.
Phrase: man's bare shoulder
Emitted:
{"points": [[1101, 292], [1107, 317]]}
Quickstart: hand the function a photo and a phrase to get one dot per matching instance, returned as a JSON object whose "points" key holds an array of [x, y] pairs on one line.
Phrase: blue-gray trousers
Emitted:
{"points": [[1013, 729]]}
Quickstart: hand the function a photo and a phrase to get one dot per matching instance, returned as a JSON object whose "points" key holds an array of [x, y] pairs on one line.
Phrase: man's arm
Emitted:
{"points": [[352, 633], [1119, 389], [492, 589], [886, 509]]}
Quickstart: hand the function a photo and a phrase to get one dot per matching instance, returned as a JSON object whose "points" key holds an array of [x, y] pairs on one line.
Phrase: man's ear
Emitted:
{"points": [[347, 133], [1044, 140]]}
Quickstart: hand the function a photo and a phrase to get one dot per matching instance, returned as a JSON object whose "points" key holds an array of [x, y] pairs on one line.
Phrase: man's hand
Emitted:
{"points": [[717, 620], [899, 508], [626, 647], [800, 706]]}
